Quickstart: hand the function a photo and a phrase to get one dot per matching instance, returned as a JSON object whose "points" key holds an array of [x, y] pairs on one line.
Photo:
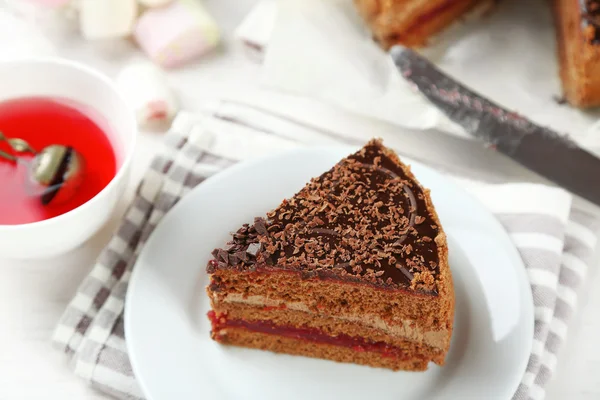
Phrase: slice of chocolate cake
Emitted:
{"points": [[353, 268]]}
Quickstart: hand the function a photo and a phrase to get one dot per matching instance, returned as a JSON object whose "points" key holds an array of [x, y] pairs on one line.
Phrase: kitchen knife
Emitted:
{"points": [[542, 150]]}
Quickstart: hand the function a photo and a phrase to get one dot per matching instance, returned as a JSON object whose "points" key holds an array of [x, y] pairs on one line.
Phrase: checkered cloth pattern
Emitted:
{"points": [[91, 331]]}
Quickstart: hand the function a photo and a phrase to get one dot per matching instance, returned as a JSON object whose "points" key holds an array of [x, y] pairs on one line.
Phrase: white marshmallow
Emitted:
{"points": [[104, 19], [146, 89]]}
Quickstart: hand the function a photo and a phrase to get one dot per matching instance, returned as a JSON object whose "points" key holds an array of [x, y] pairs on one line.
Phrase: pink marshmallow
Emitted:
{"points": [[177, 33]]}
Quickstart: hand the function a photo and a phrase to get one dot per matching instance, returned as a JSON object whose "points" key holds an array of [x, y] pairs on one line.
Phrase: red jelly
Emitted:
{"points": [[42, 122], [309, 334]]}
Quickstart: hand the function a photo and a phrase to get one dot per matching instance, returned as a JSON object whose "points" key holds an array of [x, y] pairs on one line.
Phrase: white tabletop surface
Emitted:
{"points": [[33, 294]]}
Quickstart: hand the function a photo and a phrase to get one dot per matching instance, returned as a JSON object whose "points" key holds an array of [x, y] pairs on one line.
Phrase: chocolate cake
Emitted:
{"points": [[412, 22], [353, 268], [578, 35]]}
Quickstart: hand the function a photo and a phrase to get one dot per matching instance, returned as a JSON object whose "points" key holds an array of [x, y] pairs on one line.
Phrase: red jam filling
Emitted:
{"points": [[309, 334]]}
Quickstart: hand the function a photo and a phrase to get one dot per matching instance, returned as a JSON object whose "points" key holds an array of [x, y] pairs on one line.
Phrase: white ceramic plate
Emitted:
{"points": [[168, 332]]}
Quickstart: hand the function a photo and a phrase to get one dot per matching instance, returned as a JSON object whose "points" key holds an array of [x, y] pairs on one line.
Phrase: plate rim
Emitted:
{"points": [[240, 166]]}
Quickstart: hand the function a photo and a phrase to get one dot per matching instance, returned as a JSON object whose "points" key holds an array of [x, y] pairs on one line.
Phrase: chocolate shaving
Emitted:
{"points": [[260, 226], [406, 273], [253, 249], [223, 255], [242, 255], [211, 268]]}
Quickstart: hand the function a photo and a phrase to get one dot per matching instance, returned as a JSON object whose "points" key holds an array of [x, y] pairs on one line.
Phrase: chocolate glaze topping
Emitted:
{"points": [[363, 221], [590, 12]]}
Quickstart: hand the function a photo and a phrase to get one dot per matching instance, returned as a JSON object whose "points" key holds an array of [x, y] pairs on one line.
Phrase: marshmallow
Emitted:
{"points": [[154, 3], [106, 19], [177, 33], [145, 88]]}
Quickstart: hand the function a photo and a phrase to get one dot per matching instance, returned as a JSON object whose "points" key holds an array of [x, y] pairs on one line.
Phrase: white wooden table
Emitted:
{"points": [[33, 294]]}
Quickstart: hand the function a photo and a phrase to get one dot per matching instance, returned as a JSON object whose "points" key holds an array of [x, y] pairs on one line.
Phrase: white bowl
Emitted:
{"points": [[76, 82]]}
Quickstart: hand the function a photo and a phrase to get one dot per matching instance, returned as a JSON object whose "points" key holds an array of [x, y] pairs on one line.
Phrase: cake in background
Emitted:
{"points": [[412, 22], [578, 36], [353, 268]]}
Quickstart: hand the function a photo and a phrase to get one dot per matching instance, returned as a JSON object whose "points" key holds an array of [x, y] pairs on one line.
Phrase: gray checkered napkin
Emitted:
{"points": [[91, 330]]}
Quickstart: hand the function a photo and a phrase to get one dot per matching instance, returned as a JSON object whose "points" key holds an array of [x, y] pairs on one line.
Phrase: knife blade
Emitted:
{"points": [[550, 154]]}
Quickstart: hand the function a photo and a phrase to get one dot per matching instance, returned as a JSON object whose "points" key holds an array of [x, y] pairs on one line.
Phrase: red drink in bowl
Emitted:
{"points": [[43, 121], [73, 135]]}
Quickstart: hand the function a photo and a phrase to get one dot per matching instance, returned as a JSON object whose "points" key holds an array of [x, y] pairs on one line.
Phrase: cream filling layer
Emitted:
{"points": [[405, 328]]}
